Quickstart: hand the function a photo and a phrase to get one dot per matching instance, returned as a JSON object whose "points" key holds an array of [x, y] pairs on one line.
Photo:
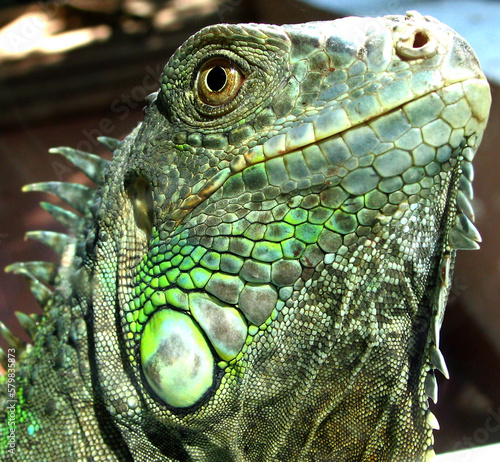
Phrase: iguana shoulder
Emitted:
{"points": [[263, 269]]}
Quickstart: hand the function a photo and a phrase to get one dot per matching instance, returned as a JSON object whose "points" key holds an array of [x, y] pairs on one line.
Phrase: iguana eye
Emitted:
{"points": [[219, 81]]}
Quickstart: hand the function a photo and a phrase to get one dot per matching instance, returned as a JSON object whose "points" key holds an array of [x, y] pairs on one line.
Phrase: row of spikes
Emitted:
{"points": [[463, 235], [40, 274]]}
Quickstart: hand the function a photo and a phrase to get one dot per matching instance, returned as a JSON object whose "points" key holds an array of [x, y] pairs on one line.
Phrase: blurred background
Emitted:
{"points": [[72, 70]]}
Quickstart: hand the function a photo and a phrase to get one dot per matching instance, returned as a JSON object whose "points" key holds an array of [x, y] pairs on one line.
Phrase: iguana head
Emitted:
{"points": [[267, 269], [273, 244]]}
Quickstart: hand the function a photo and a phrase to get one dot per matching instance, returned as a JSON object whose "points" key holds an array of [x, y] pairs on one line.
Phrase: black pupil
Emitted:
{"points": [[216, 79]]}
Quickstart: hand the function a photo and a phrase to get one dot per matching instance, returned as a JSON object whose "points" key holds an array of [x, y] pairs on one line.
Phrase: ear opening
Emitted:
{"points": [[140, 194]]}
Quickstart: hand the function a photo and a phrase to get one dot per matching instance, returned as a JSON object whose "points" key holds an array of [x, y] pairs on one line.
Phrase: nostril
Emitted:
{"points": [[421, 39], [415, 44]]}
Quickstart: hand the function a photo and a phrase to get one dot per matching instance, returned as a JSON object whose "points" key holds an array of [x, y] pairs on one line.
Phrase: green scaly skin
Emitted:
{"points": [[263, 272]]}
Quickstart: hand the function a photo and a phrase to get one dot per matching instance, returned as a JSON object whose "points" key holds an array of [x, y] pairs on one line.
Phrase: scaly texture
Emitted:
{"points": [[263, 271]]}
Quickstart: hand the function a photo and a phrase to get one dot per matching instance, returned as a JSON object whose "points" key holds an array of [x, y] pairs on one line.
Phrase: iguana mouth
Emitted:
{"points": [[332, 124]]}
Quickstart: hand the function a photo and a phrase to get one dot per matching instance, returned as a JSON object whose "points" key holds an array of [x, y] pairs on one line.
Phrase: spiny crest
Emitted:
{"points": [[42, 275], [93, 166], [74, 194], [462, 235], [65, 217]]}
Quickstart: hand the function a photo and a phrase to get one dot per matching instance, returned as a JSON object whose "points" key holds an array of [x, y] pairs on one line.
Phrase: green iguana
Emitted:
{"points": [[262, 272]]}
